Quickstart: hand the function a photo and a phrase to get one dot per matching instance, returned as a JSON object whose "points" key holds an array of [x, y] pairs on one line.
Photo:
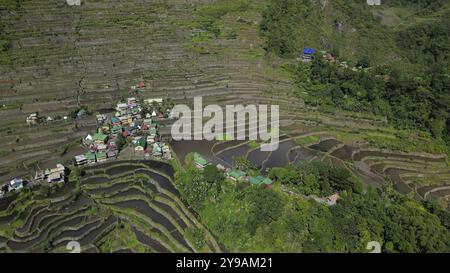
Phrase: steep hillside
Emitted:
{"points": [[59, 58]]}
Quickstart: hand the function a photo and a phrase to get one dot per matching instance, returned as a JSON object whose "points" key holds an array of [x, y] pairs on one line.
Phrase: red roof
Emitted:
{"points": [[330, 57], [125, 134]]}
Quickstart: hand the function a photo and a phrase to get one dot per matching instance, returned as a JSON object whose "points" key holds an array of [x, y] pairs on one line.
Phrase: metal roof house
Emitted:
{"points": [[258, 180], [141, 144], [308, 54], [236, 174], [101, 156], [16, 184], [90, 157], [199, 161], [80, 160], [100, 138]]}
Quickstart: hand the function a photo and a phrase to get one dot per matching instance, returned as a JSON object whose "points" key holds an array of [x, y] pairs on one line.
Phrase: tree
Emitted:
{"points": [[265, 206], [121, 141], [214, 177]]}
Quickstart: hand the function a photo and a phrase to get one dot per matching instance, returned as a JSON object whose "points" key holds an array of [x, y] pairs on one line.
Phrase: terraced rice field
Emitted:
{"points": [[409, 173], [142, 208], [63, 57]]}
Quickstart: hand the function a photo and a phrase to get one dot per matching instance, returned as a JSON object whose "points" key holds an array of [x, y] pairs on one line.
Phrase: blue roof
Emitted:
{"points": [[309, 51]]}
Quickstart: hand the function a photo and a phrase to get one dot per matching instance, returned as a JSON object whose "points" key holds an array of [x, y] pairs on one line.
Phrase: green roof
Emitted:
{"points": [[257, 180], [236, 174], [100, 137], [199, 159], [156, 148], [89, 156], [116, 128], [141, 142], [100, 154], [267, 181], [81, 112]]}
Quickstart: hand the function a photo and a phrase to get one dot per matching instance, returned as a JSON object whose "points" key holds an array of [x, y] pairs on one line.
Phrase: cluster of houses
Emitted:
{"points": [[130, 122], [308, 55], [233, 174], [35, 118], [53, 175], [100, 147], [14, 185]]}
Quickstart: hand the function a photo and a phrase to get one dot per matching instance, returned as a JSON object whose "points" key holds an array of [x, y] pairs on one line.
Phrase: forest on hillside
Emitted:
{"points": [[258, 219], [402, 73]]}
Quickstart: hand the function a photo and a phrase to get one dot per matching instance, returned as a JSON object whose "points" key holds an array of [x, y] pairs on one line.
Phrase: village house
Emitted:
{"points": [[16, 184], [101, 156], [131, 102], [308, 54], [156, 150], [102, 147], [141, 84], [39, 176], [259, 180], [101, 118], [57, 174], [115, 121], [199, 161], [167, 154], [80, 160], [140, 144], [150, 139], [332, 199], [112, 146], [122, 107], [88, 140], [236, 175], [82, 113], [112, 154], [100, 138], [151, 101], [116, 129], [33, 119], [105, 129], [90, 157]]}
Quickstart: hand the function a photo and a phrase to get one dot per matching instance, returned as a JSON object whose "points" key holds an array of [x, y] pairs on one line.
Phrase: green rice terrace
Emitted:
{"points": [[114, 207], [351, 125]]}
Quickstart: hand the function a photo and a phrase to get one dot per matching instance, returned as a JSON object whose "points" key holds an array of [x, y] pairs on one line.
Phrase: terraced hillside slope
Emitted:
{"points": [[60, 58], [114, 207]]}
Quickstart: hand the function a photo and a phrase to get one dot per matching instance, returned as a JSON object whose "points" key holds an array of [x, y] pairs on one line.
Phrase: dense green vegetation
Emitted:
{"points": [[9, 4], [248, 218], [6, 6], [208, 17], [316, 178], [402, 74]]}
